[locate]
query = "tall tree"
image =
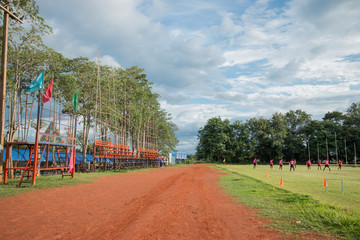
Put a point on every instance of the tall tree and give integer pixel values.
(295, 141)
(260, 137)
(213, 139)
(26, 53)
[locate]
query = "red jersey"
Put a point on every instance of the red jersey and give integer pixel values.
(340, 162)
(292, 162)
(271, 162)
(326, 162)
(308, 163)
(255, 161)
(281, 162)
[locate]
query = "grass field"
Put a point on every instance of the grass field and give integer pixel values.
(311, 182)
(301, 203)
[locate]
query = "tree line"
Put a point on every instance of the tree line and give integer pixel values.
(290, 135)
(122, 99)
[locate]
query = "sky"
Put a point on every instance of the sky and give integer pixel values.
(236, 59)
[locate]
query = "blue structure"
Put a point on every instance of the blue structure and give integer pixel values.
(178, 157)
(23, 155)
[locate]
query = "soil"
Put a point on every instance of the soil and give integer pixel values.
(163, 203)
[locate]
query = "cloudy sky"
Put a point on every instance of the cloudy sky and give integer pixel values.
(231, 58)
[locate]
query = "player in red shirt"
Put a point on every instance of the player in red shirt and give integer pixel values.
(340, 165)
(295, 163)
(292, 165)
(271, 163)
(319, 165)
(281, 164)
(326, 163)
(308, 163)
(255, 162)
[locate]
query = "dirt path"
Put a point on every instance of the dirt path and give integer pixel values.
(165, 203)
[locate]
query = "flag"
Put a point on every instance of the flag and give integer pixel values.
(71, 162)
(36, 84)
(48, 93)
(75, 101)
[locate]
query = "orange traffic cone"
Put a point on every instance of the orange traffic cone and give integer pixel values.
(267, 175)
(325, 183)
(281, 181)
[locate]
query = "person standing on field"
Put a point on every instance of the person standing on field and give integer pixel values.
(319, 165)
(292, 165)
(271, 163)
(308, 163)
(326, 163)
(280, 164)
(340, 165)
(255, 162)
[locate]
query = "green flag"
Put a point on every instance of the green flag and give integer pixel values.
(36, 84)
(75, 101)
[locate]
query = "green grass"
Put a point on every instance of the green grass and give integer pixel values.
(43, 182)
(311, 182)
(302, 198)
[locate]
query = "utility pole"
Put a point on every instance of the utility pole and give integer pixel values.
(355, 154)
(346, 160)
(318, 151)
(327, 151)
(7, 13)
(336, 149)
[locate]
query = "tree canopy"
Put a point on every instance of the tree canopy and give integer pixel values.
(290, 135)
(129, 108)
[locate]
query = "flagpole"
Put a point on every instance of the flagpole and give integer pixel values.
(74, 148)
(37, 141)
(74, 151)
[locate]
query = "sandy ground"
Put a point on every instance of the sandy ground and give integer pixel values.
(163, 203)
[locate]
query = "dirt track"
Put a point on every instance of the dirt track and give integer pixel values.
(166, 203)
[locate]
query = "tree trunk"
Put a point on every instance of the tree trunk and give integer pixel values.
(84, 148)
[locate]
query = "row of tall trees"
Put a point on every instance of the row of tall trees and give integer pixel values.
(291, 135)
(120, 100)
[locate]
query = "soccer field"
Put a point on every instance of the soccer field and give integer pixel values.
(310, 182)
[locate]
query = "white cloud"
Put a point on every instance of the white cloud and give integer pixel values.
(109, 60)
(234, 59)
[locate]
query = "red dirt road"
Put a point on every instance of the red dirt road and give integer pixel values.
(164, 203)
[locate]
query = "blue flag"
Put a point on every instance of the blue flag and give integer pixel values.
(36, 84)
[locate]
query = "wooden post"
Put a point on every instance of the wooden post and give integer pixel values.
(7, 13)
(3, 85)
(96, 109)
